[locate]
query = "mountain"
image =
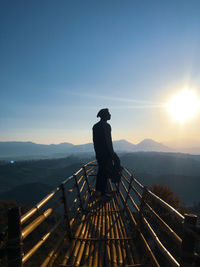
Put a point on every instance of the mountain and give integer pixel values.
(29, 150)
(151, 145)
(123, 146)
(17, 149)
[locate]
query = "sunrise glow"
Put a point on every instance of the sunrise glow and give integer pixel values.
(184, 106)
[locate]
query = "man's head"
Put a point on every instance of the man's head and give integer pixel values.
(104, 114)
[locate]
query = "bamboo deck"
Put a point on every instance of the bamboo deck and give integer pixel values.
(102, 238)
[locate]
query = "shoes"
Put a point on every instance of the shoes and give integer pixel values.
(97, 194)
(107, 194)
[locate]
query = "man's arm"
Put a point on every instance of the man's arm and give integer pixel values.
(108, 139)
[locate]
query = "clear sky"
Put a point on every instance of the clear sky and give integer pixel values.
(63, 60)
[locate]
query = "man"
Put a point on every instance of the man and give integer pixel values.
(104, 150)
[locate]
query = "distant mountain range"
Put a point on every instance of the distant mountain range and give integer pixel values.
(30, 150)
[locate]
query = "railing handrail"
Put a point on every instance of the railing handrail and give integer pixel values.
(166, 205)
(38, 206)
(81, 184)
(144, 201)
(157, 198)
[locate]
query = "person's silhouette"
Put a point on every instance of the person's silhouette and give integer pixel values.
(104, 150)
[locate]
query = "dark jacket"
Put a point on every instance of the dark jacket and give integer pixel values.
(102, 140)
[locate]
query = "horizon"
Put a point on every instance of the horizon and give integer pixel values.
(167, 144)
(63, 61)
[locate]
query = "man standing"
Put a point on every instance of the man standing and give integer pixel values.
(104, 150)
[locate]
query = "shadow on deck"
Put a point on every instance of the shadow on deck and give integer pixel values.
(102, 238)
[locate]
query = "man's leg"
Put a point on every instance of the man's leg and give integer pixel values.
(101, 181)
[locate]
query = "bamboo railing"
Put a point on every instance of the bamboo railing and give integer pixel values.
(130, 229)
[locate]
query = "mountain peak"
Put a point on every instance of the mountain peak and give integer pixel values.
(151, 145)
(148, 141)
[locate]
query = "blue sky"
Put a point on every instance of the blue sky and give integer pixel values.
(61, 61)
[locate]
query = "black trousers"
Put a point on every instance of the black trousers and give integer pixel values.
(105, 166)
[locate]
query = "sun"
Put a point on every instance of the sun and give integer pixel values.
(184, 106)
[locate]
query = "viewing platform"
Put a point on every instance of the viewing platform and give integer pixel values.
(74, 227)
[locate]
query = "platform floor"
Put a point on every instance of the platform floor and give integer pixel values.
(102, 238)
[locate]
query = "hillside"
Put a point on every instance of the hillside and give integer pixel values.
(179, 171)
(51, 172)
(27, 194)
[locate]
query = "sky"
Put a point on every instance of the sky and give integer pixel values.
(61, 61)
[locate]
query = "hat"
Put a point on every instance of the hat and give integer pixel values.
(103, 112)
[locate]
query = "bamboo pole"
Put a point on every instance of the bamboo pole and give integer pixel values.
(66, 212)
(165, 227)
(133, 187)
(162, 223)
(70, 250)
(140, 235)
(164, 204)
(135, 180)
(104, 234)
(91, 163)
(78, 191)
(113, 243)
(129, 188)
(101, 251)
(129, 197)
(96, 235)
(124, 235)
(118, 243)
(14, 245)
(40, 243)
(108, 236)
(189, 240)
(88, 242)
(78, 253)
(85, 244)
(92, 242)
(38, 206)
(172, 261)
(86, 177)
(34, 224)
(122, 242)
(53, 253)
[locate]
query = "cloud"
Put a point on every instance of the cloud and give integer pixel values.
(139, 104)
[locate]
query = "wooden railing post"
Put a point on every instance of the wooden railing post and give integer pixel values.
(188, 240)
(86, 178)
(14, 245)
(66, 211)
(129, 188)
(78, 192)
(142, 204)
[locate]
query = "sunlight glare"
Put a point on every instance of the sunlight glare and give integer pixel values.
(184, 106)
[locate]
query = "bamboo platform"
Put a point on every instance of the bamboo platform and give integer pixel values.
(127, 229)
(102, 238)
